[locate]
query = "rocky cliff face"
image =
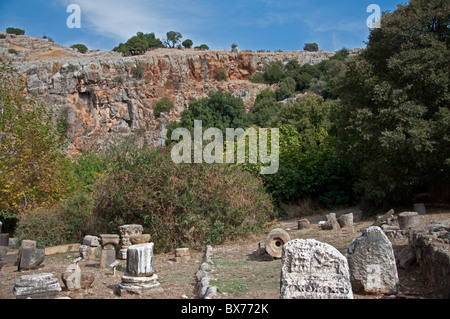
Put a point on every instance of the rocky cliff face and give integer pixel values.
(102, 95)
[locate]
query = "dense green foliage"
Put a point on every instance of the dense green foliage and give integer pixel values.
(165, 104)
(395, 105)
(311, 47)
(15, 31)
(323, 78)
(139, 44)
(80, 47)
(31, 164)
(202, 47)
(187, 43)
(222, 75)
(220, 110)
(179, 205)
(173, 37)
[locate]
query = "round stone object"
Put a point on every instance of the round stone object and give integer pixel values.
(275, 241)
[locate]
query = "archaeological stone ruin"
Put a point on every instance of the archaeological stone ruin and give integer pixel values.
(313, 270)
(372, 263)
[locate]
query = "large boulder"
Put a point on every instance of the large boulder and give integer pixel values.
(31, 258)
(372, 263)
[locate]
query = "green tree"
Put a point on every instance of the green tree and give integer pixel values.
(395, 115)
(312, 47)
(139, 44)
(31, 161)
(80, 47)
(173, 38)
(15, 31)
(274, 72)
(187, 43)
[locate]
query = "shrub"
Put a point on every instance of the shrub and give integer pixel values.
(181, 205)
(257, 78)
(137, 71)
(80, 47)
(2, 36)
(312, 47)
(222, 75)
(12, 51)
(15, 31)
(165, 104)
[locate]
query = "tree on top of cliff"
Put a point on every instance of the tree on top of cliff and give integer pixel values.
(187, 43)
(139, 44)
(173, 38)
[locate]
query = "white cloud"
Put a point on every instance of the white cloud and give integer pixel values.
(118, 19)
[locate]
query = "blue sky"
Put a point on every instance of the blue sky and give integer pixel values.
(252, 24)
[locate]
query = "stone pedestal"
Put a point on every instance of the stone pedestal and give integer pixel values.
(140, 277)
(108, 255)
(408, 220)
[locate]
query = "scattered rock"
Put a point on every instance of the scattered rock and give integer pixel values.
(420, 209)
(346, 220)
(384, 218)
(182, 254)
(304, 224)
(331, 223)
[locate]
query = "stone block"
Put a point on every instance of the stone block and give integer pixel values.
(109, 241)
(313, 270)
(304, 224)
(40, 286)
(346, 220)
(372, 263)
(90, 253)
(407, 220)
(107, 257)
(182, 254)
(31, 258)
(420, 208)
(91, 241)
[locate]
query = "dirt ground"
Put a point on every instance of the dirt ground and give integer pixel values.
(239, 272)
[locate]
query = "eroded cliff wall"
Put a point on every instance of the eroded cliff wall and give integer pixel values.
(99, 97)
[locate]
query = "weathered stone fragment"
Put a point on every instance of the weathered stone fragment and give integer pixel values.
(331, 223)
(91, 241)
(346, 220)
(107, 257)
(304, 224)
(420, 208)
(182, 254)
(313, 270)
(40, 286)
(31, 258)
(372, 263)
